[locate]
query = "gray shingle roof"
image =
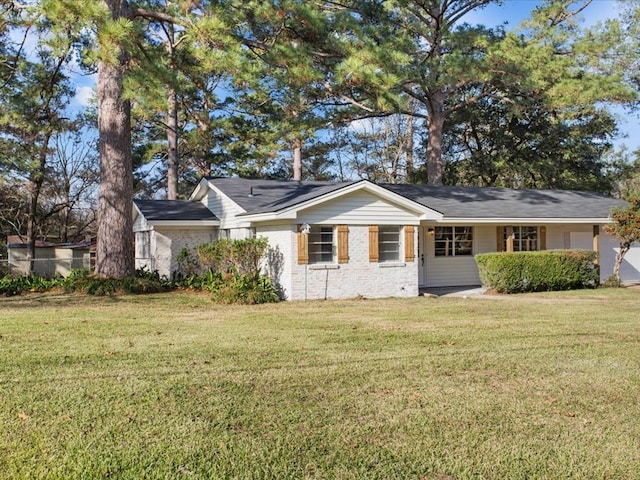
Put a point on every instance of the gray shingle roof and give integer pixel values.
(265, 196)
(476, 202)
(163, 210)
(262, 196)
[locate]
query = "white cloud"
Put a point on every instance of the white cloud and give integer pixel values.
(84, 95)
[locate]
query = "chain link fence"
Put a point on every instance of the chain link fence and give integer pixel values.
(48, 267)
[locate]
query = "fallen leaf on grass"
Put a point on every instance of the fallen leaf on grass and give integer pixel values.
(23, 416)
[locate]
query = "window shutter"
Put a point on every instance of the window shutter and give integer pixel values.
(510, 239)
(543, 238)
(409, 247)
(343, 244)
(373, 243)
(499, 239)
(303, 247)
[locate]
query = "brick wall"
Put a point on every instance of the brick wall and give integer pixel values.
(358, 277)
(169, 242)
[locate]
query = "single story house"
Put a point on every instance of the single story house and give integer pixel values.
(342, 240)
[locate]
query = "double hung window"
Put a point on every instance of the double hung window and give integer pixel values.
(321, 244)
(388, 243)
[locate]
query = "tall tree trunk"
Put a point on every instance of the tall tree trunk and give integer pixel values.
(408, 178)
(624, 248)
(297, 159)
(35, 187)
(435, 126)
(172, 143)
(34, 192)
(172, 123)
(114, 254)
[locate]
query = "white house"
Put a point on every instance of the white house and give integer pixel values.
(342, 240)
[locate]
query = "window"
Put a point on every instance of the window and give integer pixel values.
(525, 239)
(453, 241)
(143, 245)
(388, 244)
(320, 244)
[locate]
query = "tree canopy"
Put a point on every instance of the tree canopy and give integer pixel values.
(282, 88)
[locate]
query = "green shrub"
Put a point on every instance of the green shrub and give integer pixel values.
(236, 256)
(613, 281)
(143, 281)
(245, 289)
(548, 270)
(188, 265)
(10, 286)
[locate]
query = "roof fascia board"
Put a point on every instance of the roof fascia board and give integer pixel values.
(505, 220)
(201, 190)
(183, 223)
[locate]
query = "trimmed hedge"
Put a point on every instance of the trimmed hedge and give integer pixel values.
(517, 272)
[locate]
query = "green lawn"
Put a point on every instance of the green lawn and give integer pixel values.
(173, 386)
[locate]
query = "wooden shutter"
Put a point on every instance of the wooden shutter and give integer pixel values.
(543, 238)
(499, 239)
(509, 239)
(303, 247)
(373, 243)
(343, 244)
(409, 246)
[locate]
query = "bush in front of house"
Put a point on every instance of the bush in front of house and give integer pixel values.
(231, 271)
(82, 281)
(548, 270)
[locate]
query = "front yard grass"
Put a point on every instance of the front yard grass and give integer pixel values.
(173, 386)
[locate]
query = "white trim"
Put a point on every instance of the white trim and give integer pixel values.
(523, 221)
(201, 190)
(183, 223)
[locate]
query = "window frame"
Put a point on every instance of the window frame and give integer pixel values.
(389, 249)
(315, 256)
(516, 231)
(460, 243)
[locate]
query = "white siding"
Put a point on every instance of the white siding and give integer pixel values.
(223, 207)
(140, 224)
(459, 271)
(358, 208)
(630, 268)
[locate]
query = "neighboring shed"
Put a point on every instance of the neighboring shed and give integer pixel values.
(50, 258)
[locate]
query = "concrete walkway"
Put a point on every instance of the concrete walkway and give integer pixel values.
(465, 291)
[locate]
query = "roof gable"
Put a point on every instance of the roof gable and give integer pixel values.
(284, 199)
